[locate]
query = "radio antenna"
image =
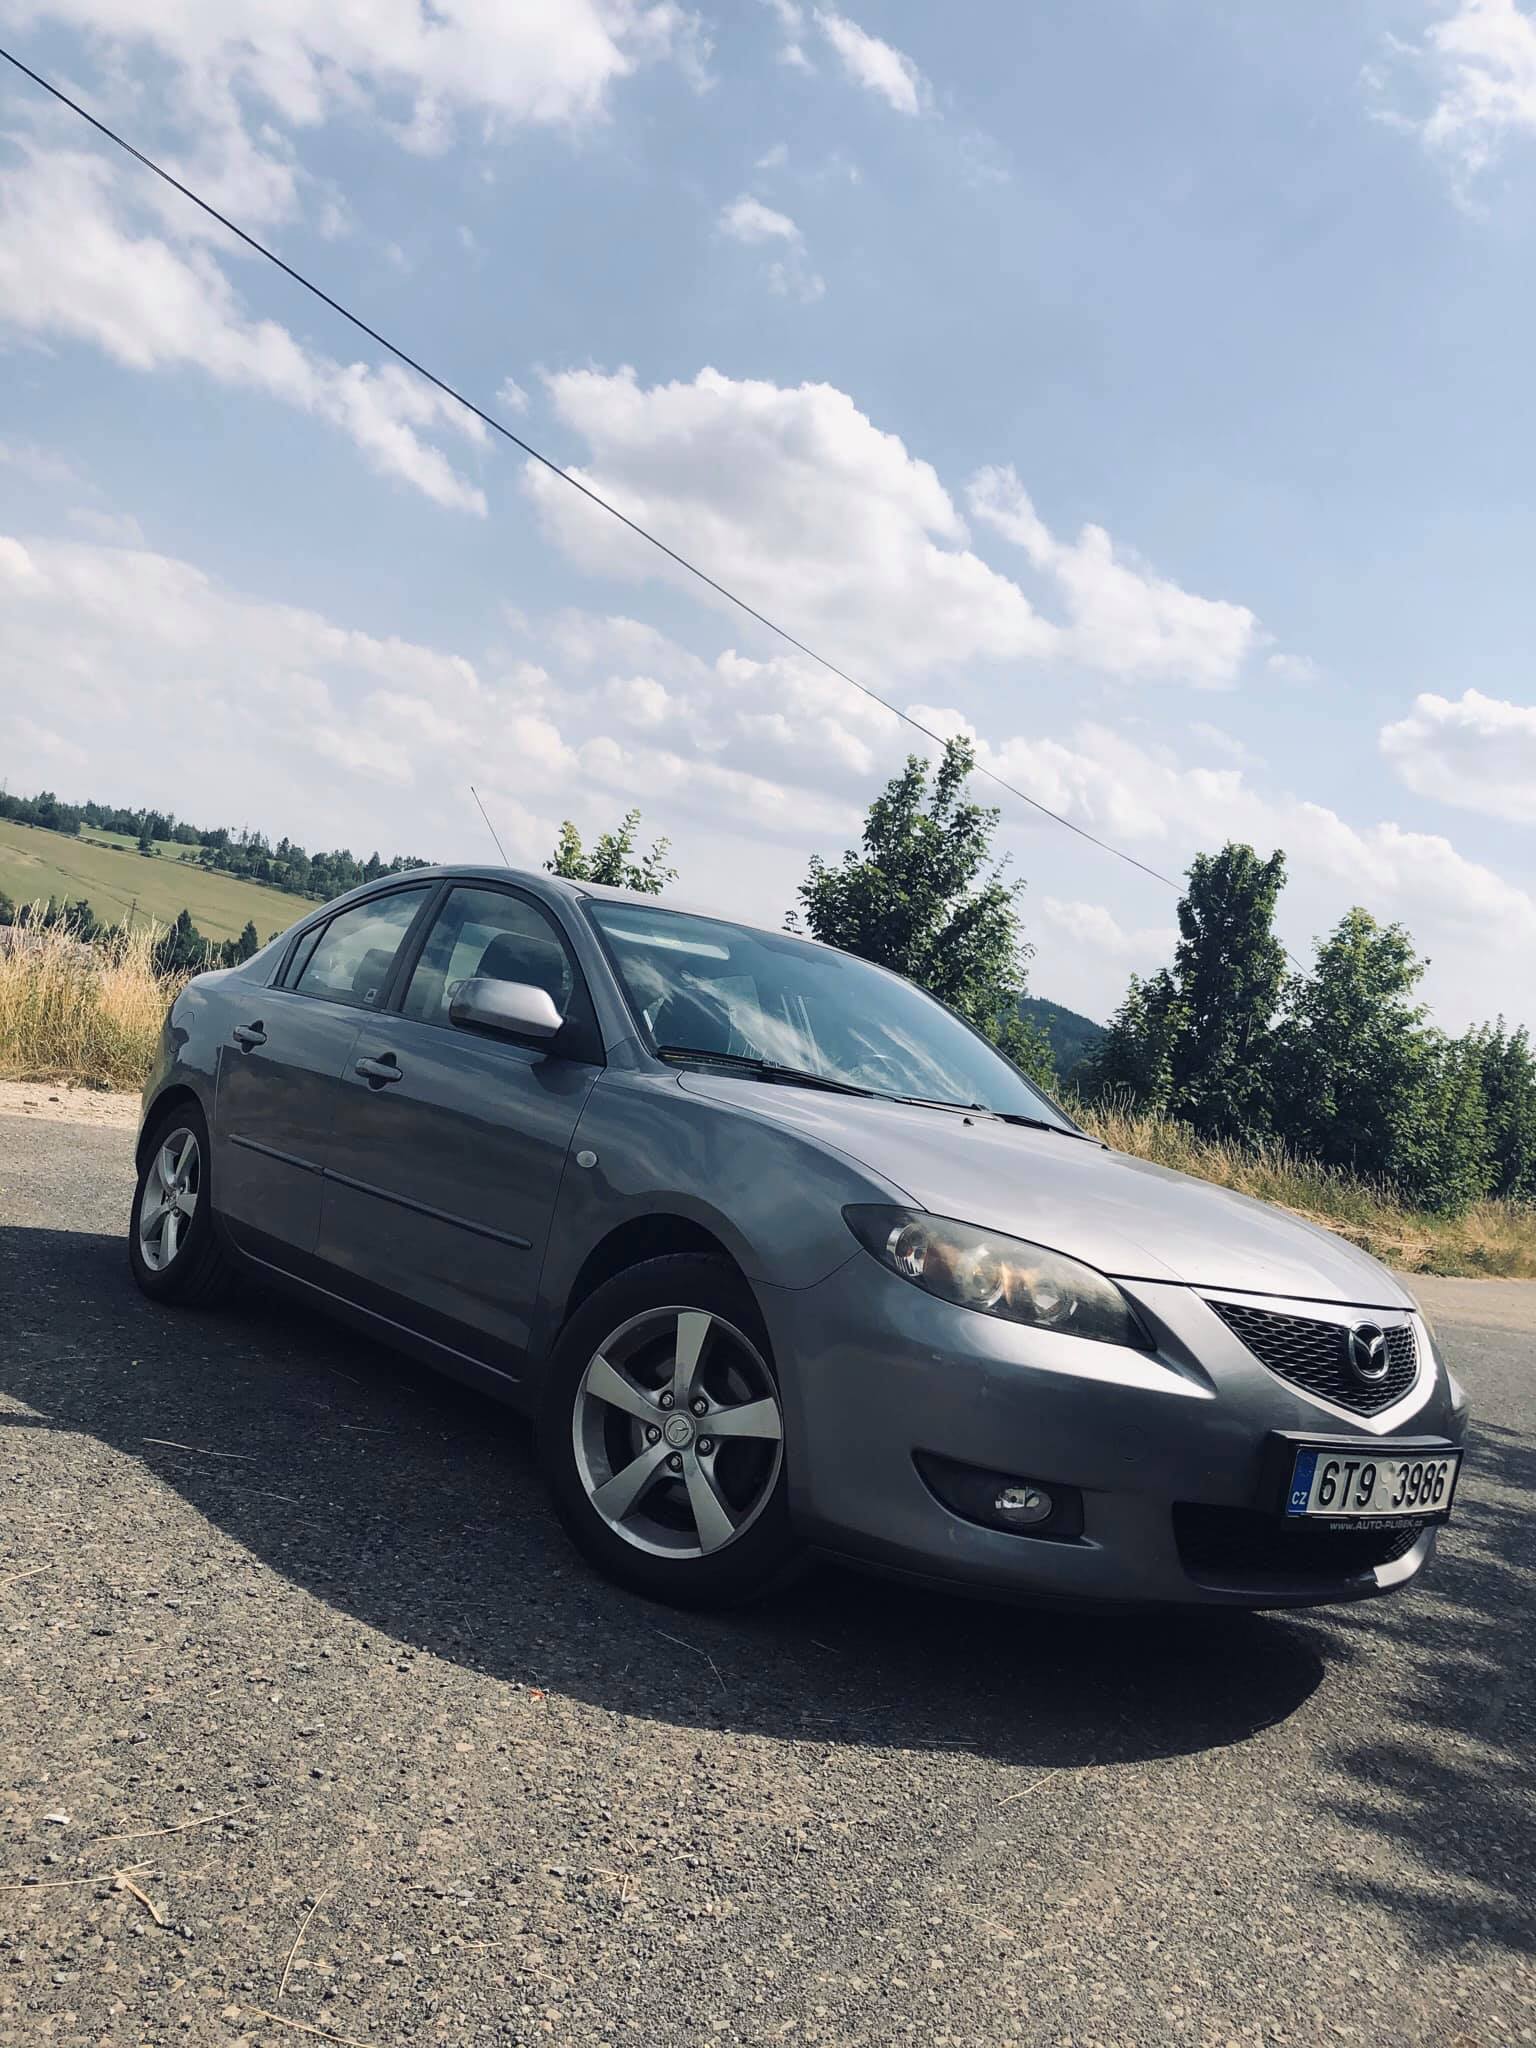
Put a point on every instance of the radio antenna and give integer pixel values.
(489, 826)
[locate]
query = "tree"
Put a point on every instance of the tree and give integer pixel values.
(146, 837)
(1508, 1073)
(1228, 969)
(1362, 1084)
(611, 858)
(1196, 1040)
(1449, 1163)
(1133, 1061)
(182, 949)
(925, 896)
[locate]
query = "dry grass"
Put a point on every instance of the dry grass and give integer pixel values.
(83, 1013)
(71, 1012)
(1490, 1238)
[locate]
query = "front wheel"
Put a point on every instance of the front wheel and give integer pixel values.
(662, 1436)
(173, 1243)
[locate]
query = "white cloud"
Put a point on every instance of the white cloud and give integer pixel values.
(640, 700)
(1293, 668)
(109, 526)
(1094, 926)
(549, 62)
(795, 500)
(75, 265)
(586, 640)
(773, 159)
(282, 718)
(1219, 741)
(511, 395)
(876, 66)
(748, 221)
(38, 465)
(792, 278)
(1146, 799)
(1481, 60)
(1475, 751)
(791, 20)
(1121, 616)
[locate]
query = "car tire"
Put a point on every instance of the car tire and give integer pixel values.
(671, 1544)
(184, 1259)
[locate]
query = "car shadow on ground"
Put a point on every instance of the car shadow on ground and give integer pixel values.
(1462, 1809)
(414, 1506)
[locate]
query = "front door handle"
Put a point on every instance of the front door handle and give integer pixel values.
(247, 1035)
(379, 1070)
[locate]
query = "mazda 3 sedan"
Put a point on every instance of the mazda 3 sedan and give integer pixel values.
(784, 1258)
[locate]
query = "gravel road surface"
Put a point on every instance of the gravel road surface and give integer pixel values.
(288, 1638)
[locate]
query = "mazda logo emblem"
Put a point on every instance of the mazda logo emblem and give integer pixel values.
(1366, 1348)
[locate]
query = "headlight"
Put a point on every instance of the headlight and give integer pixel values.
(997, 1275)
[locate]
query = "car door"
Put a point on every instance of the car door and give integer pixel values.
(448, 1145)
(280, 1070)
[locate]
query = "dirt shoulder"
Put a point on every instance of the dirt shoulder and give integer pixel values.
(64, 1103)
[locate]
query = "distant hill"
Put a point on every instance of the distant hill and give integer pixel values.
(109, 873)
(1072, 1036)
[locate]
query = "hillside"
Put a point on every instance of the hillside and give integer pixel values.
(1072, 1036)
(113, 877)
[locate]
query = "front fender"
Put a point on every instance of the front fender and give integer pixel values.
(772, 1195)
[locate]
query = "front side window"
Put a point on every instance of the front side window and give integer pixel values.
(487, 932)
(349, 959)
(704, 986)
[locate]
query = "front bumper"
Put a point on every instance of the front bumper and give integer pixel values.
(874, 1372)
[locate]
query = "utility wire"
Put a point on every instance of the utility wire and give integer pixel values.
(565, 477)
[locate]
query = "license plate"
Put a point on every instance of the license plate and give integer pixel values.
(1331, 1485)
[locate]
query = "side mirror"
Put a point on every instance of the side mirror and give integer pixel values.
(515, 1009)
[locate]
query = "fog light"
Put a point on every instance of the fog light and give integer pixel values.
(1003, 1500)
(1022, 1505)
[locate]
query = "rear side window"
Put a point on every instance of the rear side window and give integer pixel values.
(349, 959)
(487, 931)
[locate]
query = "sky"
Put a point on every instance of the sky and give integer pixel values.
(1140, 386)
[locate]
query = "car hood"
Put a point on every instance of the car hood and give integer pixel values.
(1125, 1216)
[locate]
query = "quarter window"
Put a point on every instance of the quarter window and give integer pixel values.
(487, 932)
(349, 960)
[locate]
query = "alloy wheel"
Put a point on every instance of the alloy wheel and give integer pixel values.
(172, 1186)
(677, 1432)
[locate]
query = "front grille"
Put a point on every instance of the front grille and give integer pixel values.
(1235, 1546)
(1315, 1356)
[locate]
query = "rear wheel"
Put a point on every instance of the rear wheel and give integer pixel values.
(173, 1242)
(662, 1435)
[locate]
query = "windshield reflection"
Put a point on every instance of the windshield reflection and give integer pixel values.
(714, 987)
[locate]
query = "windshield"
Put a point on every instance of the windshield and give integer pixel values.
(712, 987)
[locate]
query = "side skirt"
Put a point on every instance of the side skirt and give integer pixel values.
(444, 1358)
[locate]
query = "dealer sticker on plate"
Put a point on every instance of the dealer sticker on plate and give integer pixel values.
(1385, 1485)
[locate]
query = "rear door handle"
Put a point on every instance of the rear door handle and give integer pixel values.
(379, 1070)
(247, 1035)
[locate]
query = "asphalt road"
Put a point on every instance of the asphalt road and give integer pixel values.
(288, 1635)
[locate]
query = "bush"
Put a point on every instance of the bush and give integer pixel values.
(81, 1012)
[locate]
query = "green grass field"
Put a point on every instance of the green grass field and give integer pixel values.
(115, 879)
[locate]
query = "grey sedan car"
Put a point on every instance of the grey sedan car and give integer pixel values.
(784, 1258)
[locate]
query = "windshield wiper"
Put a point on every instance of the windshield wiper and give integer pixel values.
(765, 1070)
(1038, 1123)
(1003, 1116)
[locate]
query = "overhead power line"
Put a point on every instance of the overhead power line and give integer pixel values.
(575, 483)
